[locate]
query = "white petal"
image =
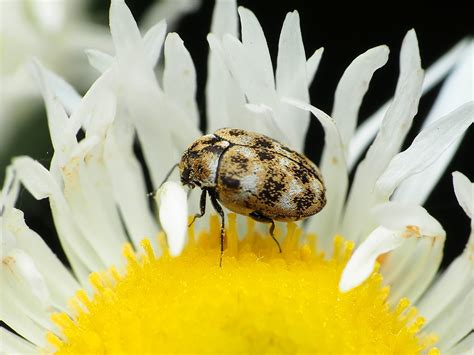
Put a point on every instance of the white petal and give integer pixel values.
(335, 177)
(61, 129)
(464, 190)
(243, 63)
(141, 95)
(455, 92)
(24, 271)
(455, 322)
(368, 129)
(256, 47)
(349, 94)
(98, 106)
(11, 343)
(172, 11)
(99, 60)
(410, 268)
(10, 190)
(90, 196)
(312, 64)
(397, 121)
(425, 149)
(124, 29)
(291, 80)
(464, 347)
(35, 177)
(224, 18)
(224, 99)
(22, 287)
(222, 93)
(173, 209)
(67, 95)
(15, 317)
(179, 76)
(41, 184)
(227, 106)
(128, 182)
(252, 83)
(86, 181)
(457, 88)
(61, 284)
(362, 262)
(458, 279)
(153, 41)
(352, 88)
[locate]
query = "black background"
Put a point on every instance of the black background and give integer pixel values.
(345, 32)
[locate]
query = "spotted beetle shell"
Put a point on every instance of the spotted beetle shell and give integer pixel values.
(251, 172)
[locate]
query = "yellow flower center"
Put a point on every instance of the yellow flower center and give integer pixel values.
(260, 301)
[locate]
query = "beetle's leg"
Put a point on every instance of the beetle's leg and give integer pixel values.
(261, 218)
(202, 207)
(219, 210)
(272, 229)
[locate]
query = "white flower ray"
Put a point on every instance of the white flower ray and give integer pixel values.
(435, 73)
(179, 76)
(425, 149)
(173, 211)
(357, 221)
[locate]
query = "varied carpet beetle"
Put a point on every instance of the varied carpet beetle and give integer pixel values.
(253, 175)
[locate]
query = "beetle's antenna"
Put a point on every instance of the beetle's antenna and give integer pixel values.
(165, 179)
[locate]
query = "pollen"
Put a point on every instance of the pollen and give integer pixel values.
(259, 301)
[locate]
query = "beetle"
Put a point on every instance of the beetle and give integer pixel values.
(253, 175)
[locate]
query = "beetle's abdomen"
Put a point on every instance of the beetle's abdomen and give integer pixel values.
(256, 179)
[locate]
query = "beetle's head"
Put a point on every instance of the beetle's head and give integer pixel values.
(199, 162)
(186, 170)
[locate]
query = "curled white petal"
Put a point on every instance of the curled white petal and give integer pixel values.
(397, 222)
(173, 213)
(397, 216)
(362, 262)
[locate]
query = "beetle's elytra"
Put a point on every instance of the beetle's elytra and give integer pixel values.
(253, 175)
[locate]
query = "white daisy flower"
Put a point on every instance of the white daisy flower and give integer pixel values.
(129, 287)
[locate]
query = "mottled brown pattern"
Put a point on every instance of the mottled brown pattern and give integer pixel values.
(253, 173)
(252, 139)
